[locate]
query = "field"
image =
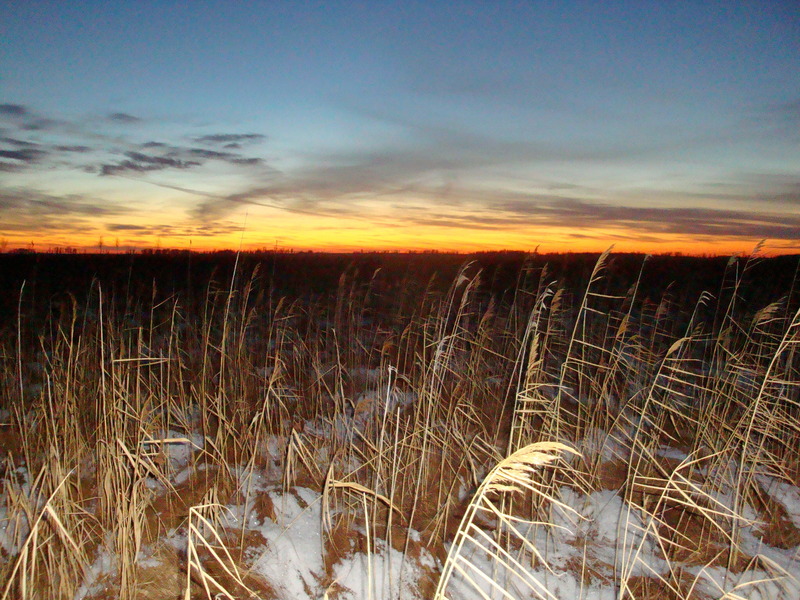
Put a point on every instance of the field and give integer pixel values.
(384, 426)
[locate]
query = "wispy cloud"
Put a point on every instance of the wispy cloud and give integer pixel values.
(143, 163)
(77, 148)
(17, 143)
(26, 155)
(687, 221)
(25, 119)
(21, 201)
(492, 210)
(26, 211)
(162, 155)
(89, 137)
(13, 110)
(17, 155)
(427, 175)
(180, 230)
(230, 140)
(230, 157)
(125, 118)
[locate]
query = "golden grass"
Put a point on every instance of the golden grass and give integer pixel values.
(393, 402)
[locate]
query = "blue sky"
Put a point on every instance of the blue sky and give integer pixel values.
(660, 126)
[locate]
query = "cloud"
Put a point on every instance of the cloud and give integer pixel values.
(247, 162)
(275, 196)
(72, 139)
(30, 211)
(428, 167)
(13, 110)
(30, 153)
(491, 209)
(774, 122)
(230, 157)
(41, 124)
(230, 138)
(77, 148)
(21, 200)
(576, 213)
(121, 117)
(174, 157)
(182, 230)
(16, 142)
(25, 119)
(127, 227)
(427, 175)
(773, 190)
(203, 153)
(141, 163)
(25, 155)
(437, 176)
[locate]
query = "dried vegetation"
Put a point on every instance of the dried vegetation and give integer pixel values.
(425, 419)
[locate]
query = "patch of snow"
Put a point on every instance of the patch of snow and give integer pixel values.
(292, 562)
(11, 530)
(105, 565)
(615, 540)
(15, 529)
(179, 453)
(177, 538)
(146, 557)
(671, 453)
(251, 481)
(182, 476)
(383, 575)
(752, 584)
(785, 494)
(233, 517)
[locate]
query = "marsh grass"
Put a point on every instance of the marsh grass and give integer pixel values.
(426, 416)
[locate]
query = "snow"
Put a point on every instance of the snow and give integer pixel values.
(383, 575)
(293, 559)
(600, 530)
(146, 557)
(105, 564)
(754, 584)
(178, 447)
(10, 532)
(786, 494)
(14, 530)
(601, 534)
(586, 548)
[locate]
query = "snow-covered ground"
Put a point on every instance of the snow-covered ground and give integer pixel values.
(592, 542)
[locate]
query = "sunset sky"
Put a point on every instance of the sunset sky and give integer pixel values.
(654, 126)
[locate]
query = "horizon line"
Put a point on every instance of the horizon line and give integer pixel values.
(156, 251)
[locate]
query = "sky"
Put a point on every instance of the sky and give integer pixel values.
(562, 126)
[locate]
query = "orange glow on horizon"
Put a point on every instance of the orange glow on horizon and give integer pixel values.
(399, 240)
